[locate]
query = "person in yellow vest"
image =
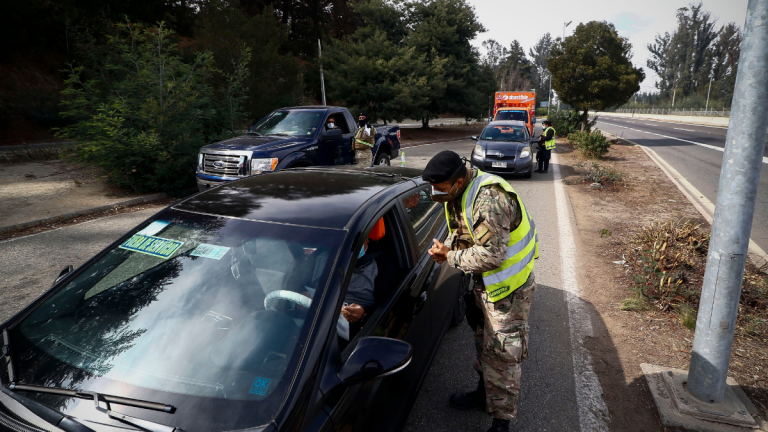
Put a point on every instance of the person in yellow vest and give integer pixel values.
(365, 138)
(493, 237)
(546, 145)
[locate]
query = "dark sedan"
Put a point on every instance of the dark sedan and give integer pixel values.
(504, 148)
(222, 313)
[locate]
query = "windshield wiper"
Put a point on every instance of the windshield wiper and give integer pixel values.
(99, 397)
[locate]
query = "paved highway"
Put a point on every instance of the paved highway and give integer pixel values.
(696, 152)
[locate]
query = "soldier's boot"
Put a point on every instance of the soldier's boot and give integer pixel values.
(499, 425)
(471, 401)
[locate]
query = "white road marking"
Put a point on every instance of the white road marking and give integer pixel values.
(671, 123)
(687, 130)
(593, 413)
(720, 149)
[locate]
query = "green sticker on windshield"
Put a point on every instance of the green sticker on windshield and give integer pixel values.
(210, 251)
(155, 246)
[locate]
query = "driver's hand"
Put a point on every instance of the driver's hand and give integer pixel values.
(439, 251)
(353, 313)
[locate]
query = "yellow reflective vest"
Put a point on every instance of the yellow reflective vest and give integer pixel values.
(549, 145)
(523, 245)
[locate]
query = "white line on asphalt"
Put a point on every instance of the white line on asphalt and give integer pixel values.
(720, 149)
(593, 413)
(687, 130)
(670, 122)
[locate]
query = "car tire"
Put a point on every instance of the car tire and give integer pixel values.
(382, 159)
(460, 306)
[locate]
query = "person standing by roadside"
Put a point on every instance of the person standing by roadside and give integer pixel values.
(546, 145)
(493, 238)
(364, 139)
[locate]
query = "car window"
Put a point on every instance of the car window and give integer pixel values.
(299, 123)
(504, 133)
(340, 121)
(199, 306)
(424, 215)
(512, 115)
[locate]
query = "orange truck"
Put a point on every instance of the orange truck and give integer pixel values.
(520, 106)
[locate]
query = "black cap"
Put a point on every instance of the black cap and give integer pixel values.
(442, 167)
(364, 115)
(546, 122)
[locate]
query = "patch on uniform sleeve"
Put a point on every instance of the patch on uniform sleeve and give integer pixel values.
(483, 233)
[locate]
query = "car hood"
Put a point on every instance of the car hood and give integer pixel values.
(258, 143)
(505, 146)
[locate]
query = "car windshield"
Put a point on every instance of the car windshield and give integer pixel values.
(299, 122)
(193, 306)
(504, 133)
(512, 115)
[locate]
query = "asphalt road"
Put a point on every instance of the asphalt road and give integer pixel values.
(700, 165)
(547, 403)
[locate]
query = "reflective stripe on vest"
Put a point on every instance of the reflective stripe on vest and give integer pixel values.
(549, 145)
(523, 245)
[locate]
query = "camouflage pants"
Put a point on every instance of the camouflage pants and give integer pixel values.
(501, 346)
(364, 158)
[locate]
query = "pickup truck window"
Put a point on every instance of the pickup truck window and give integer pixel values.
(340, 121)
(300, 123)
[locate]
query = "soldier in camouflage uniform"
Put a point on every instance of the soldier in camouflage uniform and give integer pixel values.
(364, 140)
(501, 332)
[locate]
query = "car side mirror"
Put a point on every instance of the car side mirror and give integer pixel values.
(375, 357)
(474, 137)
(63, 273)
(534, 141)
(331, 134)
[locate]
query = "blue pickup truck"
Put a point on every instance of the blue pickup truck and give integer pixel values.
(289, 138)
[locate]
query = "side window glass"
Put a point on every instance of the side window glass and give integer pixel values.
(424, 214)
(340, 121)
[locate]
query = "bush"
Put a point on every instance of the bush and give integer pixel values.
(602, 174)
(566, 122)
(593, 144)
(141, 110)
(542, 112)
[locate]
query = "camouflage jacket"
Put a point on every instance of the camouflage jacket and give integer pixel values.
(362, 135)
(496, 214)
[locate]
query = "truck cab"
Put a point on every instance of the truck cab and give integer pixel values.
(290, 138)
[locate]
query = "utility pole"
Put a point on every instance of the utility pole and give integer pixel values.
(564, 26)
(710, 89)
(549, 95)
(322, 79)
(732, 225)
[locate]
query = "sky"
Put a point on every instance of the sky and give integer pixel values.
(637, 20)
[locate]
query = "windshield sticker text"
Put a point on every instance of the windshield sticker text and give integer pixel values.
(210, 251)
(260, 386)
(155, 246)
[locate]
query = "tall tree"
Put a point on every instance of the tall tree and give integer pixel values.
(539, 55)
(592, 69)
(444, 28)
(725, 62)
(517, 71)
(273, 79)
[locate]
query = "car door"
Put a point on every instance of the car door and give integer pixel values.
(404, 315)
(336, 151)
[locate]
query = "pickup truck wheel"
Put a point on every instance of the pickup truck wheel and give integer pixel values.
(382, 159)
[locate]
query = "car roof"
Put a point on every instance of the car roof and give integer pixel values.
(324, 197)
(507, 123)
(311, 107)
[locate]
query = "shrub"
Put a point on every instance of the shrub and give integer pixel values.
(566, 122)
(602, 174)
(593, 144)
(635, 304)
(542, 112)
(142, 111)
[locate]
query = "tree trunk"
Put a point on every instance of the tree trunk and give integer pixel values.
(425, 122)
(584, 119)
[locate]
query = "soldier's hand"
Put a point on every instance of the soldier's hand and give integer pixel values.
(353, 312)
(438, 251)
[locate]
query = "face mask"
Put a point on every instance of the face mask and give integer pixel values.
(443, 197)
(361, 123)
(362, 252)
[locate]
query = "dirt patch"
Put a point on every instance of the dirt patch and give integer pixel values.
(42, 189)
(608, 219)
(433, 133)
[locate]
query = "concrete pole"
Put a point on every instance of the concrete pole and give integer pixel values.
(706, 107)
(549, 95)
(322, 79)
(739, 177)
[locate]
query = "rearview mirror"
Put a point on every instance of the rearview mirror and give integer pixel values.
(63, 273)
(375, 357)
(331, 134)
(474, 137)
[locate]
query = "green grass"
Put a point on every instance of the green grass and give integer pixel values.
(687, 316)
(635, 304)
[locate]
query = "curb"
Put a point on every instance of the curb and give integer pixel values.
(704, 206)
(66, 216)
(416, 144)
